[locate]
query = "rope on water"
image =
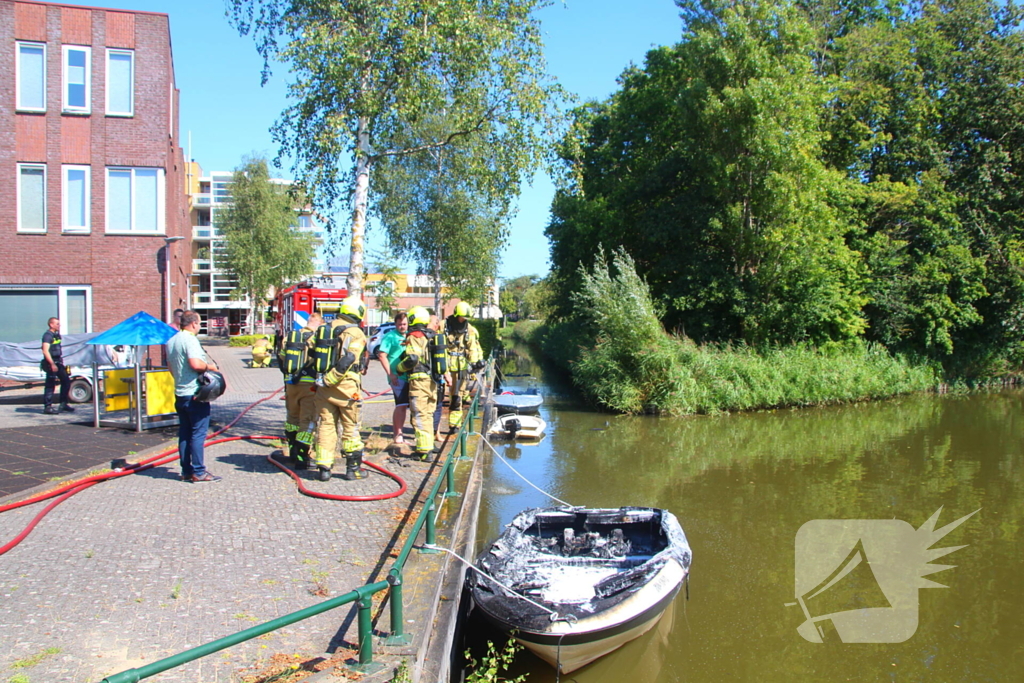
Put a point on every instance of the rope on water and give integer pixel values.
(484, 439)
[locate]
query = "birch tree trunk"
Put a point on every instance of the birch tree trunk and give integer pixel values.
(437, 286)
(359, 202)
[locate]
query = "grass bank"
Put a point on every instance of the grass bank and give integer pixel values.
(622, 359)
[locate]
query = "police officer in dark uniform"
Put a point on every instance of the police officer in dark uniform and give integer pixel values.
(53, 366)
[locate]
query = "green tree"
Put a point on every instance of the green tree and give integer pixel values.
(447, 209)
(927, 118)
(365, 72)
(383, 289)
(706, 166)
(540, 299)
(514, 300)
(263, 246)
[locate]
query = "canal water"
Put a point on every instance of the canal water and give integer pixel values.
(742, 487)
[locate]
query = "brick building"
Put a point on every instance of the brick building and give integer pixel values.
(92, 187)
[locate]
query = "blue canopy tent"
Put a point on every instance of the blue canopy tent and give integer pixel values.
(141, 329)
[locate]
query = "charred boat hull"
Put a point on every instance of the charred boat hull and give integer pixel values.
(573, 584)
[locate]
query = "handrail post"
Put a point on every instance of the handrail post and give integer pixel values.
(398, 635)
(365, 631)
(366, 664)
(449, 474)
(430, 532)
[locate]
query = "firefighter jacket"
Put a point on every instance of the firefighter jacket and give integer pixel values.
(463, 345)
(416, 359)
(349, 353)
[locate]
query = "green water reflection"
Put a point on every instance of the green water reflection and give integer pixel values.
(742, 486)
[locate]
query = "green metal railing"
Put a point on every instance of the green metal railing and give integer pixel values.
(362, 595)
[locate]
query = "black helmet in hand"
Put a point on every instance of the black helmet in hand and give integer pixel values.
(211, 385)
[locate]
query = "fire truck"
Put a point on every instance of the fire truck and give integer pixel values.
(294, 303)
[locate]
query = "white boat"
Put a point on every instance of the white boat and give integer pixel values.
(527, 401)
(517, 427)
(573, 584)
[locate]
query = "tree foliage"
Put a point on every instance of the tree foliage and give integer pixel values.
(447, 209)
(526, 296)
(815, 171)
(263, 246)
(365, 72)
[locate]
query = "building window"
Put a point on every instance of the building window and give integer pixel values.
(26, 309)
(77, 78)
(76, 198)
(120, 82)
(31, 198)
(31, 77)
(135, 200)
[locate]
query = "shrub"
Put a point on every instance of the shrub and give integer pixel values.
(247, 339)
(526, 331)
(632, 365)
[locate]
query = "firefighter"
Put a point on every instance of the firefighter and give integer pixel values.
(420, 362)
(339, 400)
(296, 364)
(465, 357)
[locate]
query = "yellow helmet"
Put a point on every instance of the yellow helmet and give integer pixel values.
(418, 315)
(463, 310)
(353, 307)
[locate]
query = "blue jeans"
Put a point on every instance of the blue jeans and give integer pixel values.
(193, 422)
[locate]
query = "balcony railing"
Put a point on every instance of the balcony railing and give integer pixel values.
(202, 265)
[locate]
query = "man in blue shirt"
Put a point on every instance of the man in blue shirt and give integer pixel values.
(388, 353)
(187, 359)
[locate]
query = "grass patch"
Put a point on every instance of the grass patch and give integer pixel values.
(35, 659)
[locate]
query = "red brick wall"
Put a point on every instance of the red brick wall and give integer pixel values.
(123, 270)
(120, 30)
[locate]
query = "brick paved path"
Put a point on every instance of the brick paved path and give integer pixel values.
(146, 566)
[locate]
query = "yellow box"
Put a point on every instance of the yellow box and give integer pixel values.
(159, 392)
(117, 391)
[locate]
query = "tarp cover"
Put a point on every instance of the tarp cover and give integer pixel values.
(141, 329)
(76, 349)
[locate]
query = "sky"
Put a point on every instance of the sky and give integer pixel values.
(226, 114)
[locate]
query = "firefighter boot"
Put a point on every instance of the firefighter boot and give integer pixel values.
(290, 437)
(301, 457)
(353, 466)
(324, 473)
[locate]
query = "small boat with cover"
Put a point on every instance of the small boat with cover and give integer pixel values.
(572, 584)
(512, 426)
(510, 401)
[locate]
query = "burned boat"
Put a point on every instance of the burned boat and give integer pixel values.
(514, 427)
(573, 584)
(526, 401)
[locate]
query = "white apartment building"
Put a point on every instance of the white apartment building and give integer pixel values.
(211, 287)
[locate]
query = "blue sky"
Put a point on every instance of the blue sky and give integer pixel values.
(227, 114)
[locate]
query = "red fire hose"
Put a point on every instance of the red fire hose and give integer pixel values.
(69, 489)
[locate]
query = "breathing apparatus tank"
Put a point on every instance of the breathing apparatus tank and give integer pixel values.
(438, 355)
(323, 349)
